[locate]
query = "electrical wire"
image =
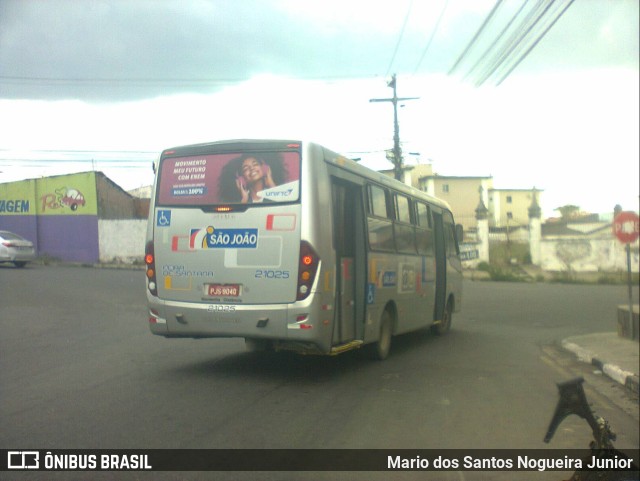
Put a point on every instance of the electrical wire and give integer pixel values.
(475, 37)
(404, 26)
(508, 53)
(497, 39)
(517, 38)
(57, 81)
(535, 43)
(433, 34)
(503, 55)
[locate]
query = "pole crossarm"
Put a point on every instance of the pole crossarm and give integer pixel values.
(394, 99)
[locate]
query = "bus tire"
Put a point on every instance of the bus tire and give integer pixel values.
(444, 326)
(380, 349)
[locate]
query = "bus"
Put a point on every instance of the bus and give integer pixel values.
(292, 246)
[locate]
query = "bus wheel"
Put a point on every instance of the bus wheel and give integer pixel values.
(381, 347)
(445, 324)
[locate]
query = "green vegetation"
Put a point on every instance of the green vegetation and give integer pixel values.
(508, 259)
(505, 254)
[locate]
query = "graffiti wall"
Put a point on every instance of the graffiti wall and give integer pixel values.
(58, 214)
(587, 255)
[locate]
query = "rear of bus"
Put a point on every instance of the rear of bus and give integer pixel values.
(225, 255)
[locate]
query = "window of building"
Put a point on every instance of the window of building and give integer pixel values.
(509, 199)
(509, 215)
(445, 188)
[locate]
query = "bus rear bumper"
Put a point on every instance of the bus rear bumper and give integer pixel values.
(289, 327)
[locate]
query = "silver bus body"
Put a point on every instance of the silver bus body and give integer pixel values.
(310, 264)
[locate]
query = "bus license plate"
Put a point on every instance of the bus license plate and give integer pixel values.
(223, 290)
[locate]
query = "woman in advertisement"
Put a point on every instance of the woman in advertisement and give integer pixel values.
(245, 177)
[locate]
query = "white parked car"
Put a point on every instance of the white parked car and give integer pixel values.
(16, 249)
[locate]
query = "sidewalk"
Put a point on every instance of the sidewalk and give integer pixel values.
(615, 356)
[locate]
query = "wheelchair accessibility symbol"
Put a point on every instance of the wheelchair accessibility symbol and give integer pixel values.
(163, 218)
(371, 293)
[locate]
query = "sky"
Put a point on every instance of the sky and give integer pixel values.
(533, 93)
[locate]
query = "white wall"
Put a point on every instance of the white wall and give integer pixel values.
(122, 241)
(586, 255)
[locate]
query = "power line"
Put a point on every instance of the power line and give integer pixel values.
(404, 26)
(515, 42)
(113, 80)
(497, 39)
(23, 161)
(145, 82)
(77, 151)
(533, 45)
(433, 34)
(477, 34)
(516, 39)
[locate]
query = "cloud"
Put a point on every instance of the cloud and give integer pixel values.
(119, 50)
(120, 75)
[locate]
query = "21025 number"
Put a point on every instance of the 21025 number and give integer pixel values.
(271, 274)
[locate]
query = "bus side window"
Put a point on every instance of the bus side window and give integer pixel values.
(403, 211)
(450, 235)
(423, 212)
(403, 229)
(378, 202)
(424, 232)
(379, 220)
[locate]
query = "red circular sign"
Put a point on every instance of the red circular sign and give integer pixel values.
(626, 227)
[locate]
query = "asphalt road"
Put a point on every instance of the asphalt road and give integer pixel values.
(80, 369)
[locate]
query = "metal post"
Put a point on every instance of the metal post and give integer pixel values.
(633, 334)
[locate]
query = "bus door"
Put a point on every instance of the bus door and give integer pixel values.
(441, 265)
(348, 239)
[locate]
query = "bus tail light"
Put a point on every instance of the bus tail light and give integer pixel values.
(307, 268)
(150, 262)
(302, 322)
(154, 317)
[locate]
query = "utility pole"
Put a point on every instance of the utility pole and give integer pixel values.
(397, 150)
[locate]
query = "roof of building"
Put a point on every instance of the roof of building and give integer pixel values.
(451, 177)
(110, 182)
(518, 190)
(574, 229)
(142, 192)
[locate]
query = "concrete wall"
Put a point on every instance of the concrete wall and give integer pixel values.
(581, 254)
(122, 241)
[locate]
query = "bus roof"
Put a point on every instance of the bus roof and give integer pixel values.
(366, 172)
(331, 156)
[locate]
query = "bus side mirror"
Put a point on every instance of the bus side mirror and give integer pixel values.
(459, 232)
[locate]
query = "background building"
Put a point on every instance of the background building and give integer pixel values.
(461, 193)
(510, 207)
(61, 214)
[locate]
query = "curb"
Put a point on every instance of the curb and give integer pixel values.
(625, 378)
